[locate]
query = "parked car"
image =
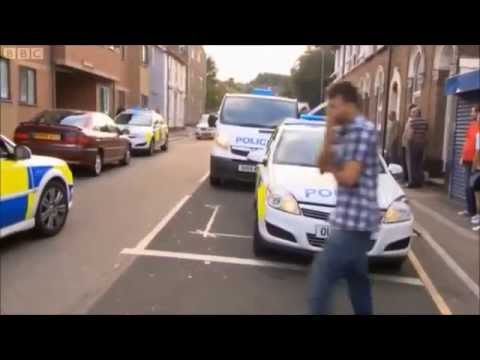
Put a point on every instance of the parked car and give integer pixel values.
(35, 191)
(204, 128)
(84, 138)
(148, 130)
(294, 200)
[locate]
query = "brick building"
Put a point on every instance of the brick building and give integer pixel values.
(390, 78)
(196, 84)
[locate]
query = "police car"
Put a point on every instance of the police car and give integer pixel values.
(245, 123)
(147, 130)
(35, 191)
(294, 201)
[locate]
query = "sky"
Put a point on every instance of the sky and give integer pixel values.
(244, 62)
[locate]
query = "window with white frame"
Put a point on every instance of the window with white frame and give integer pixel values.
(28, 86)
(4, 79)
(104, 99)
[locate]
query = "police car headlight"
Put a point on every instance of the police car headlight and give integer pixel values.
(399, 211)
(222, 141)
(282, 200)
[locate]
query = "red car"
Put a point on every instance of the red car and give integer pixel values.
(84, 138)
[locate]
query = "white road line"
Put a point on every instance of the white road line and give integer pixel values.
(211, 220)
(457, 270)
(151, 235)
(444, 220)
(253, 262)
(432, 290)
(215, 235)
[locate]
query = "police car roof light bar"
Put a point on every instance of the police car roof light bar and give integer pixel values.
(263, 91)
(312, 117)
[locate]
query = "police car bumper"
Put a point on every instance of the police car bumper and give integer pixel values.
(298, 234)
(139, 143)
(231, 169)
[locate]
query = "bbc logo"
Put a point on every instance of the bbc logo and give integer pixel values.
(18, 53)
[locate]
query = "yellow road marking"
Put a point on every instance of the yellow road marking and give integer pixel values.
(432, 290)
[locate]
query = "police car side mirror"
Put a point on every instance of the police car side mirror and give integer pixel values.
(212, 121)
(396, 170)
(22, 152)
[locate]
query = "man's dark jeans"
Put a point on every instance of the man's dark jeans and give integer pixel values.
(345, 256)
(469, 193)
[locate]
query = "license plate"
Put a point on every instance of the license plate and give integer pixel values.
(322, 231)
(46, 136)
(247, 168)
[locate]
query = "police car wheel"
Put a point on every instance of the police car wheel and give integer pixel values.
(52, 209)
(164, 147)
(259, 246)
(151, 149)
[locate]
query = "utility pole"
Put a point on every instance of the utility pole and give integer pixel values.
(321, 75)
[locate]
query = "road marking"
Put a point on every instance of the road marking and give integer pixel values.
(432, 290)
(443, 220)
(151, 235)
(215, 235)
(211, 220)
(462, 275)
(253, 262)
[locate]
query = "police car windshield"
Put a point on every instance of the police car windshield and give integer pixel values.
(299, 147)
(134, 119)
(256, 112)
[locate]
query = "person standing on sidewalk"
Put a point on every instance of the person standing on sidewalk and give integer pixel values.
(350, 154)
(415, 136)
(392, 132)
(475, 178)
(467, 159)
(404, 144)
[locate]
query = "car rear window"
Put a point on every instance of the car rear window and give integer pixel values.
(71, 118)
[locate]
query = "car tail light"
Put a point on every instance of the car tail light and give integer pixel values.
(21, 136)
(75, 138)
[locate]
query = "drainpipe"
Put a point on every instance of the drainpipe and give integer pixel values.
(53, 69)
(343, 61)
(386, 102)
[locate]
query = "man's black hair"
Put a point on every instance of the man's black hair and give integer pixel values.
(346, 90)
(411, 106)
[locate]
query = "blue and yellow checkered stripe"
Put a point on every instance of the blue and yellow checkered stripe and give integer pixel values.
(17, 191)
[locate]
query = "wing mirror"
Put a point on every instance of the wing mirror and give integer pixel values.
(22, 152)
(258, 156)
(396, 170)
(212, 121)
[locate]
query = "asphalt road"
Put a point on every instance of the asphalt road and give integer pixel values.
(64, 274)
(156, 238)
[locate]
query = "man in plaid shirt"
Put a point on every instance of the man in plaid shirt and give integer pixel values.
(350, 154)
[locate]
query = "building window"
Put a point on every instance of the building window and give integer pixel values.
(28, 86)
(144, 100)
(145, 54)
(104, 99)
(4, 79)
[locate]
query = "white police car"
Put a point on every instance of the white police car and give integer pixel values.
(147, 130)
(294, 201)
(245, 123)
(35, 191)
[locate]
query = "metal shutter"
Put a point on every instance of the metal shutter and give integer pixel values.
(465, 102)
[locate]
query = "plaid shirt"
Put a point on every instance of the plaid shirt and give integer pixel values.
(357, 207)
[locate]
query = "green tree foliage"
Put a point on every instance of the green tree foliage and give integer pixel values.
(306, 75)
(279, 83)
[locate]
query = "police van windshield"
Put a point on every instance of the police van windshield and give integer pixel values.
(134, 119)
(256, 112)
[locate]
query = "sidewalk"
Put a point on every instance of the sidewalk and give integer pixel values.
(447, 247)
(177, 133)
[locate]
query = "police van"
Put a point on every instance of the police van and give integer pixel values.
(245, 124)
